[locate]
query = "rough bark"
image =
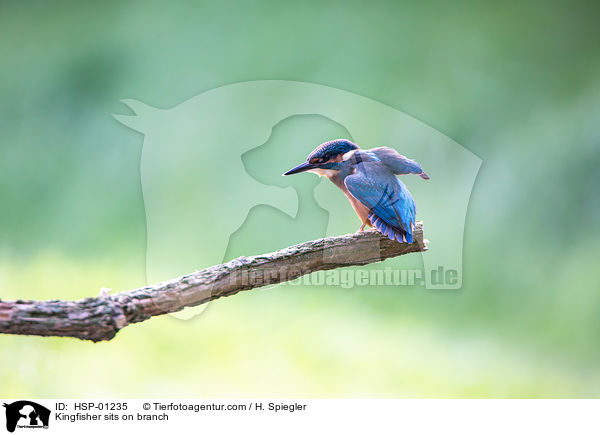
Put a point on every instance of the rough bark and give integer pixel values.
(100, 318)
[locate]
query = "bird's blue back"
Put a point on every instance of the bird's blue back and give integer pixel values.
(392, 208)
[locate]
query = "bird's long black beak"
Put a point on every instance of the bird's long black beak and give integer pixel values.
(301, 168)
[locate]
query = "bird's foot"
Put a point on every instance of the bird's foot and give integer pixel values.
(362, 228)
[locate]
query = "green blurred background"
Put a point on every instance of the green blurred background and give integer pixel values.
(517, 83)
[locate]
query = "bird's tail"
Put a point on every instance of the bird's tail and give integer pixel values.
(392, 233)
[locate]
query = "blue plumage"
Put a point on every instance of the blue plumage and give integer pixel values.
(369, 180)
(391, 207)
(397, 163)
(328, 150)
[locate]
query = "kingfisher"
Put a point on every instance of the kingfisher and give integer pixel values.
(368, 179)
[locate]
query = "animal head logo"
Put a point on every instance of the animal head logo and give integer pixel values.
(25, 413)
(212, 164)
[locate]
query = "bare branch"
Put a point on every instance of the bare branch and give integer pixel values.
(100, 318)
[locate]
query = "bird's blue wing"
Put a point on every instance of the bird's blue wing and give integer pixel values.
(391, 206)
(397, 163)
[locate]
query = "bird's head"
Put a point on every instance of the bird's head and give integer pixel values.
(327, 158)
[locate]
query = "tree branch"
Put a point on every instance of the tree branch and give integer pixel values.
(100, 318)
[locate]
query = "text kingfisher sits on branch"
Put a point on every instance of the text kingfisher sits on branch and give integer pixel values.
(368, 179)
